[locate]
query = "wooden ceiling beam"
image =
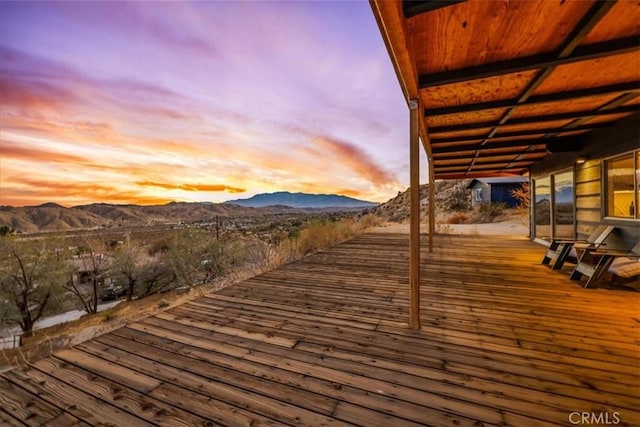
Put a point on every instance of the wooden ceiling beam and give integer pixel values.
(482, 160)
(411, 8)
(456, 156)
(531, 132)
(487, 166)
(631, 87)
(520, 156)
(537, 119)
(609, 106)
(595, 13)
(482, 174)
(495, 144)
(582, 53)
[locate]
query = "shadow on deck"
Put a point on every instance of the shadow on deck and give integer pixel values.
(324, 341)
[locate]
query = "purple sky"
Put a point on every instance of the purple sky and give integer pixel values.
(148, 102)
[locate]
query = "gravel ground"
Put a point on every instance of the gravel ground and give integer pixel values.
(511, 227)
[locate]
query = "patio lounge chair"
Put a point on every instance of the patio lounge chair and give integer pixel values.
(560, 250)
(594, 263)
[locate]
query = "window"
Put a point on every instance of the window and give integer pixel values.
(478, 194)
(563, 204)
(554, 209)
(622, 186)
(542, 208)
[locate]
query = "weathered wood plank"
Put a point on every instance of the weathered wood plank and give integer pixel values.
(325, 341)
(7, 420)
(124, 397)
(246, 394)
(19, 407)
(73, 401)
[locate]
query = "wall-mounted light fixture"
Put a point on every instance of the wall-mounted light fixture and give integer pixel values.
(581, 159)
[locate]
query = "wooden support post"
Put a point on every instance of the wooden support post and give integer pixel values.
(414, 182)
(432, 202)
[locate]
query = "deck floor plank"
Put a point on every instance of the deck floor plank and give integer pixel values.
(325, 341)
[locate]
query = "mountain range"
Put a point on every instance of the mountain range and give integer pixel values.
(301, 200)
(51, 216)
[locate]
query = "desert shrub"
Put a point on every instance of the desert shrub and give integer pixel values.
(260, 255)
(317, 235)
(458, 218)
(459, 198)
(444, 229)
(523, 196)
(160, 246)
(156, 275)
(108, 315)
(370, 221)
(163, 304)
(488, 211)
(6, 230)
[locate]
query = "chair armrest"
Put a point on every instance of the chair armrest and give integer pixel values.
(569, 241)
(614, 252)
(588, 245)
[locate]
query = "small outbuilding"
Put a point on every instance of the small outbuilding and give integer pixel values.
(495, 190)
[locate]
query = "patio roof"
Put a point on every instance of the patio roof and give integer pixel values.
(324, 341)
(500, 84)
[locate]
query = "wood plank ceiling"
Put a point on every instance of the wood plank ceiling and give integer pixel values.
(504, 83)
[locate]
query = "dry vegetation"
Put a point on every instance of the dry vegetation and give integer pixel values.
(259, 257)
(453, 206)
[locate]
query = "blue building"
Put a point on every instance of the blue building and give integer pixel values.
(495, 190)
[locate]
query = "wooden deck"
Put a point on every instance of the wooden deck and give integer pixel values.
(324, 341)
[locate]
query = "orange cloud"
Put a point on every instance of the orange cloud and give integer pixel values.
(192, 187)
(349, 192)
(10, 150)
(354, 158)
(73, 131)
(181, 147)
(25, 191)
(64, 188)
(31, 96)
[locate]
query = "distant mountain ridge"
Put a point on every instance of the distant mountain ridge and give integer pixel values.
(301, 200)
(53, 217)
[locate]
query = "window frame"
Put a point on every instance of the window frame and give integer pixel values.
(635, 154)
(554, 206)
(534, 188)
(551, 176)
(479, 194)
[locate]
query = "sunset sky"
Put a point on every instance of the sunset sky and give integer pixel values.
(140, 102)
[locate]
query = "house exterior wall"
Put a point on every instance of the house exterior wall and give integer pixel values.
(588, 177)
(501, 193)
(493, 193)
(485, 196)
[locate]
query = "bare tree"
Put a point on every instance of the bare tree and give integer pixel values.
(144, 274)
(156, 276)
(196, 257)
(129, 264)
(90, 268)
(30, 280)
